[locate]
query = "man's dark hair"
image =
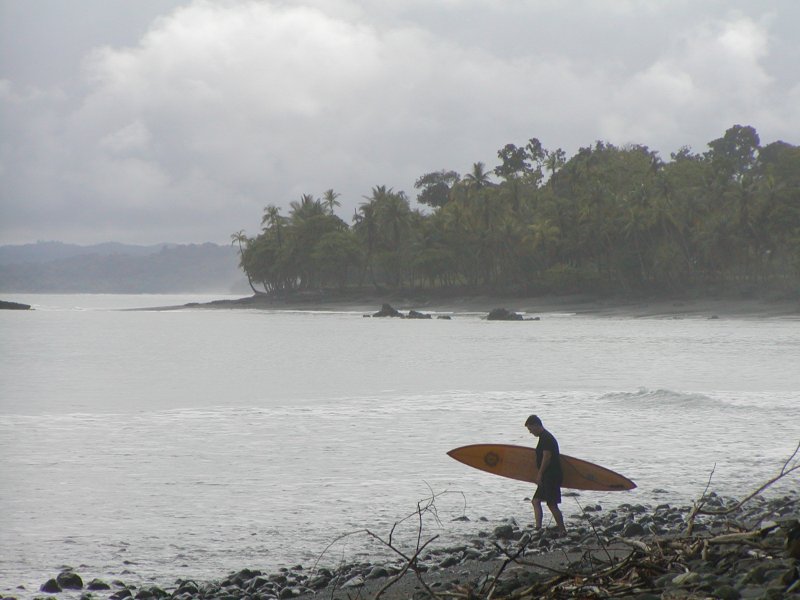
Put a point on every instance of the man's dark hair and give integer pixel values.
(533, 420)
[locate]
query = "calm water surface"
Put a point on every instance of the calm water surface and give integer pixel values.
(148, 445)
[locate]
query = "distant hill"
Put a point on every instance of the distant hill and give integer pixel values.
(112, 268)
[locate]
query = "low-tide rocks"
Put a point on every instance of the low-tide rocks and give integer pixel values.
(673, 565)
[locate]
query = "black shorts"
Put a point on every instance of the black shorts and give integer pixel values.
(549, 490)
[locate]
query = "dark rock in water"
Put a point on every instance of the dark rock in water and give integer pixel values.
(502, 314)
(5, 305)
(69, 581)
(387, 310)
(50, 586)
(97, 584)
(413, 314)
(444, 317)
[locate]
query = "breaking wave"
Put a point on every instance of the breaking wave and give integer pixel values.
(662, 398)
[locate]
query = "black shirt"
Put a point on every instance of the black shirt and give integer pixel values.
(548, 443)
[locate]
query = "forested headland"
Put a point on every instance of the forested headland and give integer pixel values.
(608, 220)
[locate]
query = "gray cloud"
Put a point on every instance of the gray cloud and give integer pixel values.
(185, 124)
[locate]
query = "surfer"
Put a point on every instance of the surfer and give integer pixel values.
(549, 477)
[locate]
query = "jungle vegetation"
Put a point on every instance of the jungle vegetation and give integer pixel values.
(607, 220)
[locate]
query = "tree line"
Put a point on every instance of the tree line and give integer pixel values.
(607, 219)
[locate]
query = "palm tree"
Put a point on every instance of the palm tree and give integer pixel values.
(394, 217)
(241, 238)
(329, 199)
(478, 178)
(366, 226)
(307, 207)
(273, 220)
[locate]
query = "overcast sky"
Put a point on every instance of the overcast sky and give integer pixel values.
(147, 121)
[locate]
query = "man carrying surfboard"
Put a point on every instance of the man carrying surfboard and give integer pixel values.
(549, 476)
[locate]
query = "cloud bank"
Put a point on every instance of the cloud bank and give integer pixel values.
(222, 107)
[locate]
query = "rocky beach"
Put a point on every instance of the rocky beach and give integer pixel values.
(717, 548)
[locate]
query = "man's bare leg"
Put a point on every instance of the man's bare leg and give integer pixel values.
(537, 513)
(556, 515)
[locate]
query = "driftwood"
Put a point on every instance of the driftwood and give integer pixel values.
(700, 504)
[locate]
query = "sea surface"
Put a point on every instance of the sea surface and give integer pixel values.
(150, 445)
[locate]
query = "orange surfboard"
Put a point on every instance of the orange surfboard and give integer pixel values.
(519, 462)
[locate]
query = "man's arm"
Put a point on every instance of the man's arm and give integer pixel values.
(547, 456)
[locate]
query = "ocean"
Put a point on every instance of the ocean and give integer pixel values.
(150, 445)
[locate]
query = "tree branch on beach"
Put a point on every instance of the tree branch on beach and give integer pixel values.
(427, 506)
(699, 505)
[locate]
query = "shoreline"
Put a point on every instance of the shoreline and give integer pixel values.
(643, 552)
(368, 303)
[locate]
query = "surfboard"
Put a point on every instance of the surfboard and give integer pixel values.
(519, 462)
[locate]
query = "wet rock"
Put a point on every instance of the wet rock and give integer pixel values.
(357, 581)
(318, 582)
(69, 580)
(413, 314)
(633, 530)
(752, 592)
(503, 532)
(151, 593)
(377, 573)
(50, 586)
(97, 584)
(726, 592)
(387, 310)
(257, 582)
(686, 579)
(793, 539)
(502, 314)
(448, 562)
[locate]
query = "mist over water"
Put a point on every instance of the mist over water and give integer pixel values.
(155, 445)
